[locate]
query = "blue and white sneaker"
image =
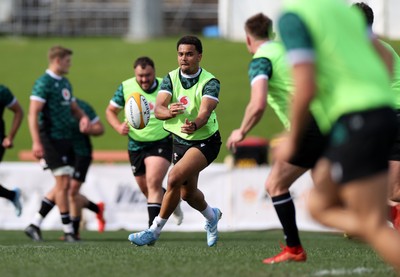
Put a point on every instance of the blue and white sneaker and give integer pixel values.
(143, 238)
(17, 202)
(212, 228)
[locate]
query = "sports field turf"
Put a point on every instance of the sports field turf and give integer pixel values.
(183, 254)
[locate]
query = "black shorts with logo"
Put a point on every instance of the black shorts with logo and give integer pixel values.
(161, 149)
(81, 167)
(209, 147)
(57, 152)
(360, 144)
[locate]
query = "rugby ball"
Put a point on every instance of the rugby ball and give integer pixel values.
(137, 110)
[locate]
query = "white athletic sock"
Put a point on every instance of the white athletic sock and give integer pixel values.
(208, 213)
(157, 225)
(68, 228)
(37, 220)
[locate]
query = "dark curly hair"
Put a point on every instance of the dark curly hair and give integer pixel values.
(367, 11)
(191, 40)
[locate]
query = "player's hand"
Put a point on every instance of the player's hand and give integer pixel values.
(235, 137)
(7, 142)
(84, 124)
(189, 127)
(37, 150)
(176, 108)
(123, 129)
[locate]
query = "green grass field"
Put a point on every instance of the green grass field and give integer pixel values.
(184, 254)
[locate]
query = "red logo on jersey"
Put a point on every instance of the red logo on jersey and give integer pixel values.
(152, 106)
(66, 94)
(184, 100)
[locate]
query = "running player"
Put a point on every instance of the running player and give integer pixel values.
(82, 159)
(150, 149)
(51, 106)
(186, 102)
(394, 159)
(271, 83)
(337, 67)
(9, 101)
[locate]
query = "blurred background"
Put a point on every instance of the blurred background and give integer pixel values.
(107, 36)
(141, 19)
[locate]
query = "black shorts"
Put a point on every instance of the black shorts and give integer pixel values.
(311, 146)
(209, 147)
(57, 152)
(395, 153)
(360, 143)
(162, 149)
(81, 167)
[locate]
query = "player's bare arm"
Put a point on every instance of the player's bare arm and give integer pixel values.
(164, 110)
(35, 107)
(385, 55)
(84, 121)
(112, 113)
(16, 123)
(253, 113)
(96, 128)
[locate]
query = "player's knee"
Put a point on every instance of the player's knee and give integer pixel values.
(155, 189)
(189, 195)
(395, 192)
(275, 188)
(314, 212)
(73, 190)
(315, 208)
(372, 224)
(186, 195)
(174, 180)
(153, 182)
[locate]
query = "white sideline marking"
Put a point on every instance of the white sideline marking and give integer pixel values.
(330, 272)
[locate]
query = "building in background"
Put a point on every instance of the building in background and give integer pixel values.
(233, 14)
(137, 19)
(142, 19)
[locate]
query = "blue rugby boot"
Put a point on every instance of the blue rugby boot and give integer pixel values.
(212, 228)
(146, 237)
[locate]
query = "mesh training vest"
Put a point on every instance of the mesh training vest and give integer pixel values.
(154, 129)
(191, 98)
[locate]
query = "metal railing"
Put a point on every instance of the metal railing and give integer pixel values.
(100, 18)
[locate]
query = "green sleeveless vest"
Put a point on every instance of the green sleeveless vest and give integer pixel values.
(280, 85)
(396, 73)
(350, 76)
(191, 98)
(154, 130)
